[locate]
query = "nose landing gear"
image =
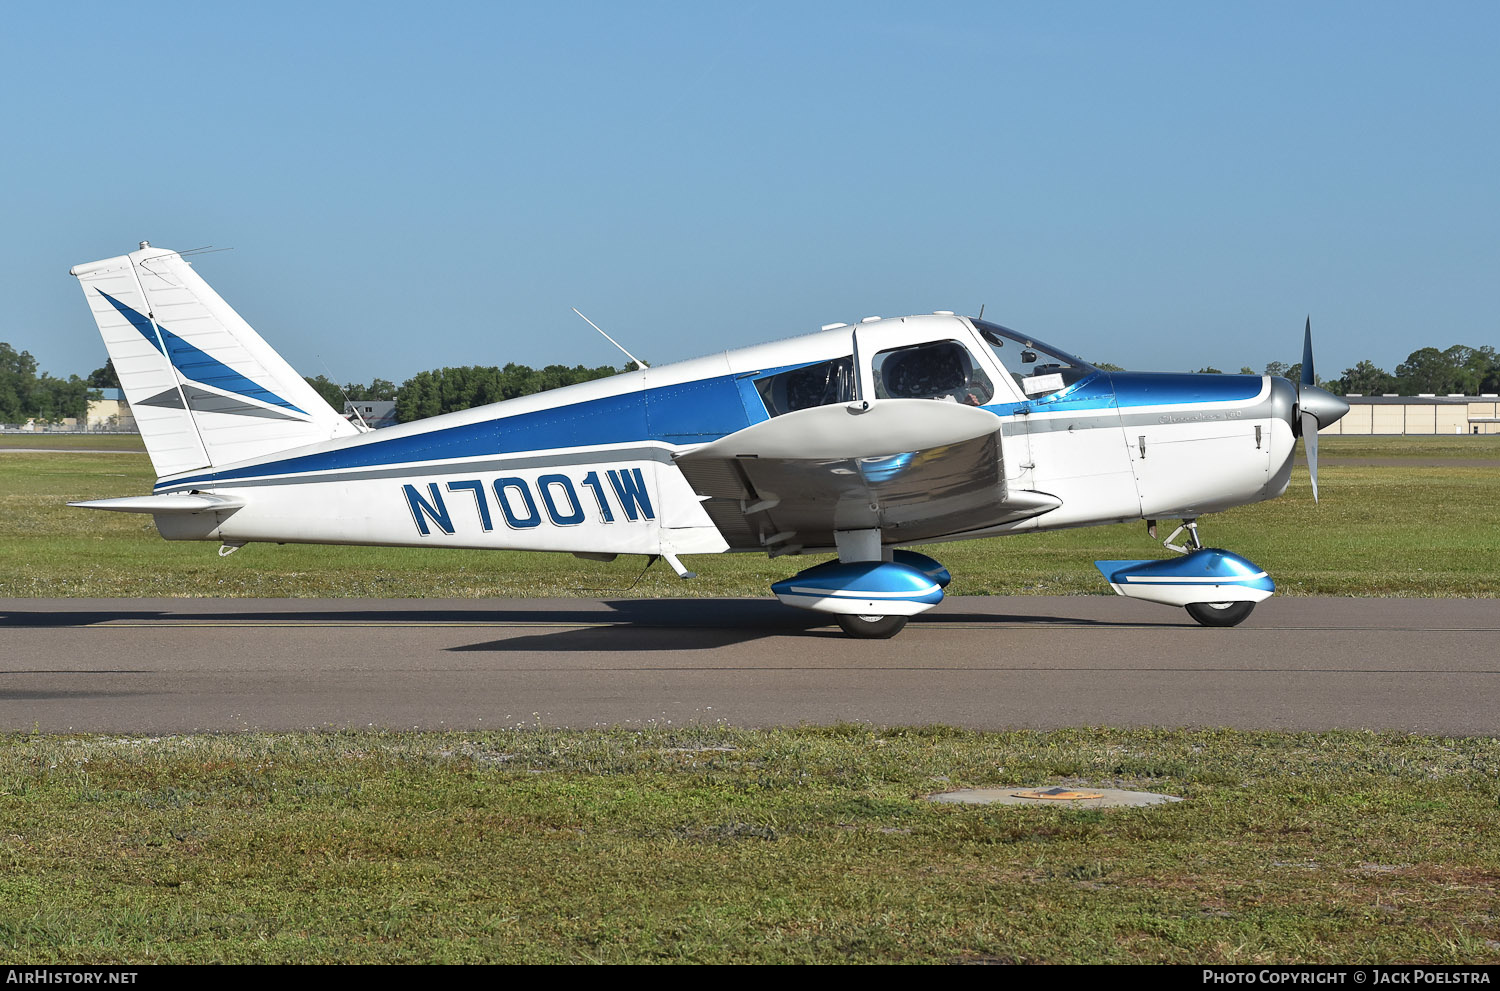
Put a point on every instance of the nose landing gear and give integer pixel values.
(1191, 526)
(1216, 587)
(1220, 613)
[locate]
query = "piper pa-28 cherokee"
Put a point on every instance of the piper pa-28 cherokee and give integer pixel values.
(861, 440)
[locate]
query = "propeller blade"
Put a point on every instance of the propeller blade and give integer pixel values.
(1308, 378)
(1310, 441)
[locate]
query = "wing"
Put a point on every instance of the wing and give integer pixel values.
(913, 468)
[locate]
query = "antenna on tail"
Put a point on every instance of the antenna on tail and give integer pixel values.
(361, 424)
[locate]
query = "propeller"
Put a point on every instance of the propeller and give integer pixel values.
(1317, 408)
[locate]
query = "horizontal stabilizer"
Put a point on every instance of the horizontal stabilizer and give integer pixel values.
(165, 504)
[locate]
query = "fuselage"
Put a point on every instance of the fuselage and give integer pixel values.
(593, 468)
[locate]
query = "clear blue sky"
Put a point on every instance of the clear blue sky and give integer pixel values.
(405, 186)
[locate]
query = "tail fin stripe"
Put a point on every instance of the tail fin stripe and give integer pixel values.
(200, 401)
(187, 359)
(137, 319)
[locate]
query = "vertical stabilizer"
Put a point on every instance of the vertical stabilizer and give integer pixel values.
(204, 387)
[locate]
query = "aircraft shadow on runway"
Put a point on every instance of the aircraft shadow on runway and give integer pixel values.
(68, 695)
(607, 625)
(706, 624)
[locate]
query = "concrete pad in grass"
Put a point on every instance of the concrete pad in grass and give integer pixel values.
(1080, 797)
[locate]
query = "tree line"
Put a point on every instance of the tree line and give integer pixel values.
(447, 390)
(1459, 369)
(26, 395)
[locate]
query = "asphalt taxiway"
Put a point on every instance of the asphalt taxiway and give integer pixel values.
(157, 666)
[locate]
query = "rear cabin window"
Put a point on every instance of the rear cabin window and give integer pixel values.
(822, 384)
(942, 370)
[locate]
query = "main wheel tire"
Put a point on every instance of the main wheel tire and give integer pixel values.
(1220, 613)
(871, 627)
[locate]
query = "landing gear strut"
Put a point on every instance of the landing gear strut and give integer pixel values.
(1191, 526)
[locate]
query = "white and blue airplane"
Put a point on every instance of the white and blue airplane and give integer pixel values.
(863, 440)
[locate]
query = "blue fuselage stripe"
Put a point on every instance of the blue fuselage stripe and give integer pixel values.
(689, 413)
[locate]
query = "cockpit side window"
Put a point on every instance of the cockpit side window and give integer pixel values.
(820, 384)
(943, 370)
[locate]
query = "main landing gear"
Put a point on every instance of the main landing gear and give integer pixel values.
(872, 627)
(871, 598)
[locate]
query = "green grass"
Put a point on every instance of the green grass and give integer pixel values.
(1422, 530)
(1415, 447)
(88, 442)
(708, 844)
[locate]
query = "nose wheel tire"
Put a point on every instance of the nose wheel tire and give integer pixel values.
(1220, 613)
(871, 627)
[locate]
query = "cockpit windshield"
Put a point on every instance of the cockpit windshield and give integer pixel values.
(1037, 368)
